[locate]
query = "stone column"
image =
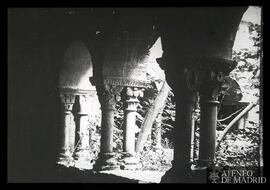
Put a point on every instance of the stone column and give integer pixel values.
(182, 140)
(108, 97)
(194, 135)
(211, 80)
(67, 101)
(192, 139)
(208, 131)
(131, 103)
(203, 74)
(82, 153)
(185, 91)
(242, 122)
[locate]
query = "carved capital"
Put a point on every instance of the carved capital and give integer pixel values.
(211, 85)
(67, 101)
(110, 95)
(131, 98)
(134, 92)
(206, 75)
(192, 79)
(83, 99)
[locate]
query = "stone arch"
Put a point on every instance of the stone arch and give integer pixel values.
(76, 67)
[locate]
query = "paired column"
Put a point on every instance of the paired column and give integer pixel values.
(203, 75)
(75, 126)
(108, 97)
(67, 101)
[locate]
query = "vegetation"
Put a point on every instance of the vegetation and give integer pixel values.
(241, 146)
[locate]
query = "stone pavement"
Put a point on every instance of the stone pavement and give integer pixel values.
(141, 176)
(74, 174)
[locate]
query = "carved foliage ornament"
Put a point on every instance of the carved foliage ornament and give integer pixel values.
(207, 75)
(131, 97)
(83, 103)
(110, 95)
(211, 85)
(134, 92)
(67, 101)
(118, 81)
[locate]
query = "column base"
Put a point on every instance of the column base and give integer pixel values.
(185, 174)
(176, 174)
(106, 161)
(203, 164)
(199, 173)
(82, 159)
(65, 159)
(82, 155)
(200, 170)
(83, 164)
(129, 162)
(158, 148)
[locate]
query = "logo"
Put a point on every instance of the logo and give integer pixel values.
(236, 176)
(214, 177)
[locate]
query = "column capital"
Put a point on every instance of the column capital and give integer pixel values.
(109, 96)
(67, 101)
(206, 74)
(210, 85)
(196, 73)
(83, 99)
(131, 98)
(134, 91)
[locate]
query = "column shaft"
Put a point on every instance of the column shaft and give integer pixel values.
(107, 122)
(82, 151)
(182, 133)
(242, 122)
(208, 130)
(72, 133)
(84, 131)
(192, 140)
(129, 133)
(65, 134)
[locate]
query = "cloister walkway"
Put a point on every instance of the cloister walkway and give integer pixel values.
(75, 175)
